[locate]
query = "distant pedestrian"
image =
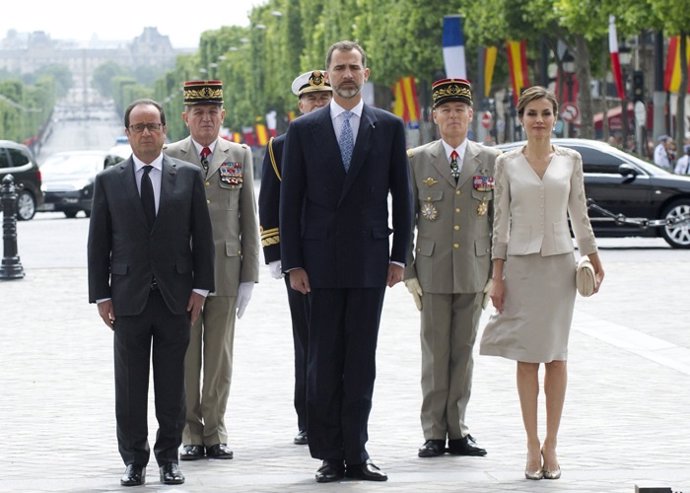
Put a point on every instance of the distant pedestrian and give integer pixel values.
(661, 153)
(683, 163)
(150, 262)
(538, 188)
(313, 92)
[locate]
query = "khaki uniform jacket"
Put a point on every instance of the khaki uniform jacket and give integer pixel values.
(229, 185)
(452, 251)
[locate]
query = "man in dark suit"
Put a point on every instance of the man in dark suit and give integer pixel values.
(339, 165)
(313, 92)
(150, 261)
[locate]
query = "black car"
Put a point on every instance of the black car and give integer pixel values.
(17, 160)
(68, 179)
(630, 187)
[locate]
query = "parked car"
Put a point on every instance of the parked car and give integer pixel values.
(68, 179)
(18, 161)
(629, 186)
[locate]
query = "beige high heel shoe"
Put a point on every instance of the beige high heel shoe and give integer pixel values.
(550, 474)
(535, 474)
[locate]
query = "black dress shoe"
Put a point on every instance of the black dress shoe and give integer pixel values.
(192, 452)
(432, 448)
(465, 446)
(219, 451)
(171, 474)
(367, 472)
(301, 438)
(134, 475)
(330, 471)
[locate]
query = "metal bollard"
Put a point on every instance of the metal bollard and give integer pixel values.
(11, 267)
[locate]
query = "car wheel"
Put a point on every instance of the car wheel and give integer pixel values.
(71, 213)
(678, 236)
(26, 206)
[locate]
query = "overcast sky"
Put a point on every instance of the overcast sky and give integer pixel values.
(124, 19)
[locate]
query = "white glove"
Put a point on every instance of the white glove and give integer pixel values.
(487, 293)
(415, 289)
(276, 269)
(244, 294)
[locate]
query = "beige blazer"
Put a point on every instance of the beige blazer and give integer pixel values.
(531, 213)
(451, 253)
(229, 186)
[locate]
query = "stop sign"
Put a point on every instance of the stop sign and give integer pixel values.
(486, 119)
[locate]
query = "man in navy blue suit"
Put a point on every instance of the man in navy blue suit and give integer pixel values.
(339, 165)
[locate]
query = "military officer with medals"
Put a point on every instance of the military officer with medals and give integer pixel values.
(313, 92)
(229, 182)
(448, 266)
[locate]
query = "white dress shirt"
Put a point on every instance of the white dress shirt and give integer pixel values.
(460, 150)
(338, 118)
(155, 175)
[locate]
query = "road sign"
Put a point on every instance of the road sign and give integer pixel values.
(570, 112)
(486, 119)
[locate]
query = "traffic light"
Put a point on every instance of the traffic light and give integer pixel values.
(638, 85)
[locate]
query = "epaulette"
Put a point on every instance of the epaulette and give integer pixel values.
(270, 237)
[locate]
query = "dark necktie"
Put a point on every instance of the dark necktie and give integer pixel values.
(347, 140)
(454, 167)
(147, 199)
(205, 153)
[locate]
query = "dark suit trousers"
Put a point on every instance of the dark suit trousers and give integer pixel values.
(343, 332)
(298, 313)
(132, 344)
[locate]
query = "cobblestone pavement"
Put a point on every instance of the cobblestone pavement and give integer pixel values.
(625, 422)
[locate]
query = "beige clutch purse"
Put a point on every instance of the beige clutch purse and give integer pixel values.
(585, 280)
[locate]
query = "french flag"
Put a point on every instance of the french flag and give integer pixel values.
(454, 47)
(615, 60)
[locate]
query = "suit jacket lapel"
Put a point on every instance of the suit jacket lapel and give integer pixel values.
(470, 164)
(365, 137)
(324, 137)
(219, 157)
(168, 176)
(130, 190)
(440, 162)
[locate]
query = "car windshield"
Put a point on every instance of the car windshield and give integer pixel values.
(86, 164)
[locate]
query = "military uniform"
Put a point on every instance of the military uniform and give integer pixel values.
(451, 259)
(229, 183)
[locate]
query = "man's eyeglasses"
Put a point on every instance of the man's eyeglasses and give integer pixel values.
(140, 127)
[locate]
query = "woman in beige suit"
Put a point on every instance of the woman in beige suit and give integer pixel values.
(537, 188)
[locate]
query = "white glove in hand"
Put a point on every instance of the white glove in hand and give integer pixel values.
(415, 289)
(244, 294)
(487, 293)
(276, 269)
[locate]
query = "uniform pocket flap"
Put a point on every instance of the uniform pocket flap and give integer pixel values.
(431, 196)
(482, 246)
(425, 247)
(232, 249)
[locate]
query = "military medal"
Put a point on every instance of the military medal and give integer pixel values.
(429, 181)
(231, 173)
(483, 208)
(483, 183)
(429, 212)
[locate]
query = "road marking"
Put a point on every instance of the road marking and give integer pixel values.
(652, 348)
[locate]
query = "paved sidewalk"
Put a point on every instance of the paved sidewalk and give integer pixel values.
(626, 419)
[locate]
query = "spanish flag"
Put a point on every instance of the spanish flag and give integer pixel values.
(489, 64)
(261, 133)
(406, 104)
(517, 64)
(672, 73)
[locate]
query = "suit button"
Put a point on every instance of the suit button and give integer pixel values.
(208, 184)
(208, 201)
(428, 198)
(457, 209)
(456, 227)
(456, 245)
(458, 192)
(419, 249)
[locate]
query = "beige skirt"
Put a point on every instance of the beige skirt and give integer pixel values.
(538, 310)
